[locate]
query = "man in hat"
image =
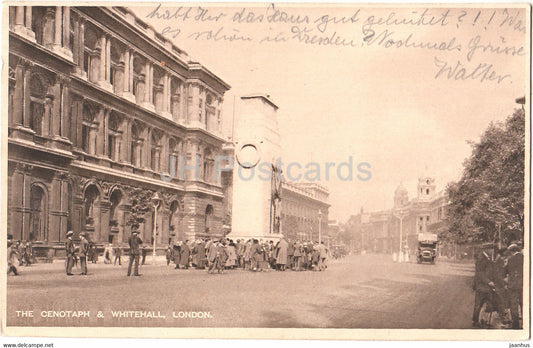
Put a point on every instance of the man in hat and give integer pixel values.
(84, 249)
(11, 258)
(70, 250)
(134, 242)
(515, 269)
(483, 282)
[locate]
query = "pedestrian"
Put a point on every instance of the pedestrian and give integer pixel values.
(212, 256)
(118, 256)
(322, 254)
(169, 255)
(185, 253)
(84, 248)
(134, 242)
(297, 256)
(246, 256)
(483, 284)
(107, 254)
(290, 254)
(500, 285)
(70, 251)
(281, 254)
(28, 253)
(144, 253)
(202, 259)
(239, 251)
(256, 256)
(515, 269)
(11, 258)
(232, 255)
(222, 256)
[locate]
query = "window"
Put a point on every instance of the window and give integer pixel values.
(113, 137)
(136, 145)
(37, 105)
(173, 160)
(208, 165)
(155, 151)
(88, 131)
(175, 99)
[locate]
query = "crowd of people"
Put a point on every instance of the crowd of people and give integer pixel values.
(498, 282)
(19, 253)
(253, 254)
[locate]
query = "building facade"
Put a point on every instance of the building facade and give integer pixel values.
(111, 126)
(390, 231)
(304, 211)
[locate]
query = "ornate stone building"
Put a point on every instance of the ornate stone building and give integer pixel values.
(380, 231)
(304, 206)
(103, 114)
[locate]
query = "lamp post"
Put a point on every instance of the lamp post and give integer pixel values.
(400, 215)
(319, 226)
(156, 200)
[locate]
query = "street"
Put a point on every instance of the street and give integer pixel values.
(360, 291)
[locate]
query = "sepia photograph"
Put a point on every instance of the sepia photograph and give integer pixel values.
(266, 170)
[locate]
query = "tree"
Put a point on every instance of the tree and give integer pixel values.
(490, 194)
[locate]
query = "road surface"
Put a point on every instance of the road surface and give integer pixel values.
(360, 291)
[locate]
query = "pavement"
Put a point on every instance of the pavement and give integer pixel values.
(359, 291)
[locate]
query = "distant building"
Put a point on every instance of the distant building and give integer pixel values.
(380, 231)
(103, 114)
(304, 206)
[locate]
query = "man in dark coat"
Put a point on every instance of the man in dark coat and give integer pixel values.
(515, 270)
(84, 249)
(118, 256)
(483, 282)
(185, 253)
(135, 243)
(70, 250)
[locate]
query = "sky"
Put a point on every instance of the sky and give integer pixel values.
(384, 106)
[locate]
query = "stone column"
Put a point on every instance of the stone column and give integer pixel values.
(66, 28)
(19, 16)
(193, 105)
(166, 97)
(126, 70)
(58, 28)
(28, 17)
(55, 119)
(18, 96)
(128, 76)
(164, 156)
(81, 48)
(26, 99)
(125, 141)
(108, 60)
(148, 87)
(65, 110)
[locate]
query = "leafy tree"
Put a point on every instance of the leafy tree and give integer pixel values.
(490, 194)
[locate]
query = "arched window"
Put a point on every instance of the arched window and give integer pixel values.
(116, 71)
(155, 146)
(38, 213)
(42, 23)
(91, 198)
(89, 129)
(115, 198)
(91, 53)
(37, 104)
(175, 99)
(209, 164)
(136, 145)
(157, 92)
(138, 79)
(208, 219)
(173, 158)
(113, 137)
